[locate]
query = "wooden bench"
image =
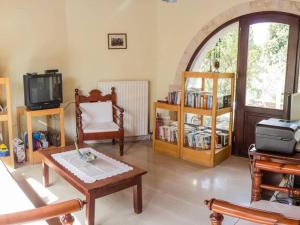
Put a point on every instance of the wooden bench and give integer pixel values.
(16, 207)
(261, 211)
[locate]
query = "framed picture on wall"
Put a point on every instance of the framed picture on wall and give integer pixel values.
(117, 41)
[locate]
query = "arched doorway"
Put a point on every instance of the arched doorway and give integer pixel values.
(262, 49)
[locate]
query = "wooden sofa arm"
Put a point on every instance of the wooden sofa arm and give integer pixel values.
(63, 209)
(221, 208)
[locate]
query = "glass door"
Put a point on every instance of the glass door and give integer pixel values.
(266, 72)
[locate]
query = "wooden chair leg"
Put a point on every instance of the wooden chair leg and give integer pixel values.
(67, 219)
(121, 143)
(113, 141)
(216, 218)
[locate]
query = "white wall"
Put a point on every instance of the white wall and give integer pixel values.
(90, 60)
(32, 39)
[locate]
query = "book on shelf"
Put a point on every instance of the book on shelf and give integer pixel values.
(224, 101)
(174, 97)
(166, 129)
(198, 99)
(199, 138)
(204, 100)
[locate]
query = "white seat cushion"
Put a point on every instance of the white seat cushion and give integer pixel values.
(286, 210)
(96, 112)
(100, 127)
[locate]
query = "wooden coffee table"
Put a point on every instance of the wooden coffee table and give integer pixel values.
(100, 188)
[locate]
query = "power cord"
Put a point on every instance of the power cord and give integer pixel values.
(250, 160)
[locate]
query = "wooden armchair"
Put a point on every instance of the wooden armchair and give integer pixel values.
(260, 211)
(98, 117)
(45, 213)
(256, 214)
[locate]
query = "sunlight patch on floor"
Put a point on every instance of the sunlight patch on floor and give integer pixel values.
(44, 193)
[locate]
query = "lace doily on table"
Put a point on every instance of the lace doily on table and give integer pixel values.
(99, 169)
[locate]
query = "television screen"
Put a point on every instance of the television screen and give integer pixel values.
(44, 89)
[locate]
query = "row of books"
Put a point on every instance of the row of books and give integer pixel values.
(204, 100)
(224, 101)
(168, 133)
(166, 129)
(174, 97)
(200, 138)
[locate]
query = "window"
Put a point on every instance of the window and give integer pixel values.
(223, 46)
(267, 60)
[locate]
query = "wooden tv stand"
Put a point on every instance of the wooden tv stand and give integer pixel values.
(32, 156)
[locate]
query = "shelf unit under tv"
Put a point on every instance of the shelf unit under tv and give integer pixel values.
(212, 156)
(32, 155)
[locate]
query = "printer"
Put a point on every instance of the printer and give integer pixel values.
(277, 135)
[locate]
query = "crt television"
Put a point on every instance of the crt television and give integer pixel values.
(43, 91)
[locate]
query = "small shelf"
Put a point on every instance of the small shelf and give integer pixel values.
(163, 146)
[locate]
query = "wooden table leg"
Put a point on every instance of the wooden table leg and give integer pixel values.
(256, 182)
(90, 210)
(45, 174)
(137, 196)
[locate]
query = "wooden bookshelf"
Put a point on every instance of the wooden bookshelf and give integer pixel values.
(212, 156)
(164, 146)
(32, 155)
(6, 119)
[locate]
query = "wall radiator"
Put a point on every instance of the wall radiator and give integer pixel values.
(133, 96)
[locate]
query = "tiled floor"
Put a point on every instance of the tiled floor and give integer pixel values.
(173, 190)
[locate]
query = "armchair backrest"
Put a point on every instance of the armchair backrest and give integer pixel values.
(96, 112)
(96, 107)
(95, 95)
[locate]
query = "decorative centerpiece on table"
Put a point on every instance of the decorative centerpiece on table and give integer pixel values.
(86, 156)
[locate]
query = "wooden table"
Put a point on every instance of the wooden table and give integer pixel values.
(100, 188)
(269, 177)
(275, 157)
